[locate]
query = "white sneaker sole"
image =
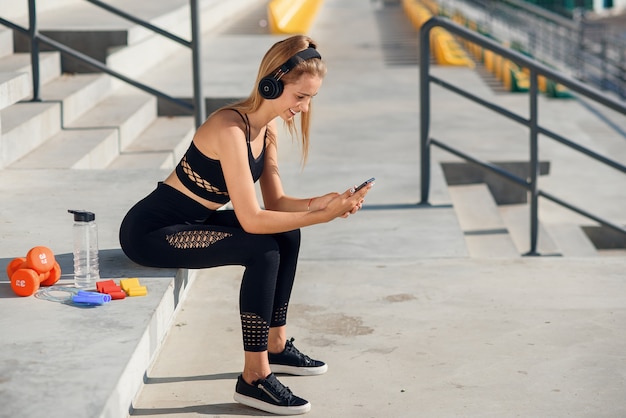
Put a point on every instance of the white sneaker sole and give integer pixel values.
(272, 409)
(298, 371)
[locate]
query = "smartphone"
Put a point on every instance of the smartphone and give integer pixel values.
(365, 183)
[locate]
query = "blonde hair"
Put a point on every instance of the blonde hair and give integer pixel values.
(276, 56)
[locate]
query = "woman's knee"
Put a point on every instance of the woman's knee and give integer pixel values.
(291, 239)
(263, 249)
(270, 249)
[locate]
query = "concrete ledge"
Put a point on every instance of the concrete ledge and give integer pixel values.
(53, 351)
(292, 16)
(90, 361)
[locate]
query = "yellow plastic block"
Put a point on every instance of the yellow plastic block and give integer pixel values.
(127, 284)
(137, 291)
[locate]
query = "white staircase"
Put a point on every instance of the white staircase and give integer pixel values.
(91, 120)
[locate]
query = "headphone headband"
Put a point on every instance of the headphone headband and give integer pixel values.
(305, 54)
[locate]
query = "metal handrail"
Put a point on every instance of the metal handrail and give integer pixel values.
(198, 107)
(536, 69)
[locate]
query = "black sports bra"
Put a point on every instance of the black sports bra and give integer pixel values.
(204, 176)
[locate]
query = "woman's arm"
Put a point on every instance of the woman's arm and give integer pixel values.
(274, 196)
(284, 213)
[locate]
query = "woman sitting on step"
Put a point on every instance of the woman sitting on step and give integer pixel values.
(179, 225)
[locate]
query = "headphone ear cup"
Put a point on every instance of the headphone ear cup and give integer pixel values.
(270, 88)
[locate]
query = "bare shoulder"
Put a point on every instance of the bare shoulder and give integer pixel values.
(224, 119)
(218, 131)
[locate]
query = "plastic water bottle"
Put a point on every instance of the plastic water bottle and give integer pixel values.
(86, 268)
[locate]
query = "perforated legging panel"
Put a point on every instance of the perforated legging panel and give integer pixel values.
(165, 230)
(280, 316)
(195, 239)
(255, 331)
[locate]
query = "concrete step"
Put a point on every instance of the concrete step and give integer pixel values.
(78, 93)
(97, 137)
(6, 41)
(94, 31)
(129, 112)
(125, 46)
(566, 239)
(147, 52)
(613, 253)
(78, 149)
(49, 66)
(517, 219)
(485, 233)
(13, 88)
(146, 49)
(85, 101)
(571, 240)
(25, 126)
(161, 145)
(234, 42)
(14, 10)
(221, 87)
(28, 125)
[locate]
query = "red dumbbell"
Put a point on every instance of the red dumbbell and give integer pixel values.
(39, 268)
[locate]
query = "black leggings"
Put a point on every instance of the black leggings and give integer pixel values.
(169, 230)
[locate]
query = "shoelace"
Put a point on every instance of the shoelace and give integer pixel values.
(292, 348)
(276, 390)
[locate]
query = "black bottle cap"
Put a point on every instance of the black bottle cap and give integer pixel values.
(82, 215)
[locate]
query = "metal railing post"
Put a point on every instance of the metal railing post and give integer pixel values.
(534, 163)
(622, 72)
(424, 116)
(34, 49)
(196, 52)
(604, 82)
(580, 60)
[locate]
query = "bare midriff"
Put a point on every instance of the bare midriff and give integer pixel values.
(173, 181)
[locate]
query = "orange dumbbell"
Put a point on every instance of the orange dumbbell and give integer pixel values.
(39, 268)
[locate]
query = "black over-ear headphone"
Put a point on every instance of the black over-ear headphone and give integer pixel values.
(271, 87)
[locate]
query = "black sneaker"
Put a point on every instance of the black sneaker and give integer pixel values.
(292, 361)
(270, 395)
